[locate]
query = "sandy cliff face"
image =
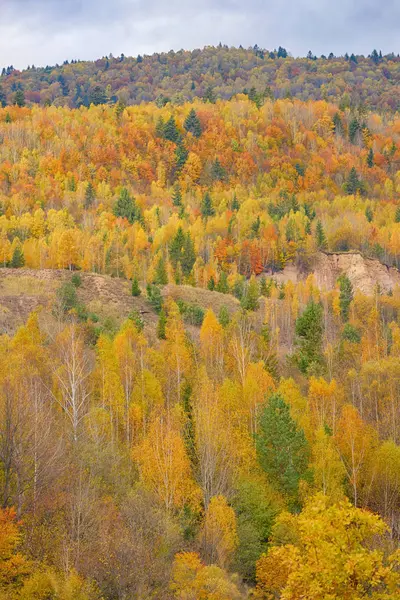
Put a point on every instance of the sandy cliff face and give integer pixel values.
(364, 273)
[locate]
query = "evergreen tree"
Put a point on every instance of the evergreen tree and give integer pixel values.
(171, 131)
(135, 289)
(223, 316)
(19, 98)
(353, 183)
(181, 156)
(209, 96)
(161, 325)
(251, 295)
(369, 215)
(89, 195)
(188, 255)
(354, 128)
(309, 331)
(161, 277)
(177, 195)
(345, 297)
(3, 98)
(282, 449)
(337, 123)
(218, 172)
(125, 207)
(397, 215)
(235, 203)
(155, 298)
(192, 124)
(97, 96)
(370, 159)
(320, 237)
(264, 286)
(255, 228)
(282, 52)
(211, 284)
(18, 259)
(207, 209)
(222, 285)
(176, 247)
(375, 56)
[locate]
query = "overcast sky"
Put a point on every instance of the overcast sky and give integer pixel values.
(44, 32)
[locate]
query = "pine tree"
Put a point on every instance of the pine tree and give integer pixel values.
(192, 124)
(235, 203)
(18, 259)
(369, 215)
(161, 277)
(250, 298)
(155, 298)
(397, 215)
(19, 98)
(211, 284)
(353, 183)
(97, 96)
(176, 247)
(337, 123)
(320, 237)
(218, 172)
(209, 96)
(135, 289)
(177, 195)
(89, 195)
(354, 128)
(309, 331)
(207, 209)
(171, 131)
(3, 98)
(223, 316)
(181, 156)
(370, 159)
(282, 448)
(222, 285)
(345, 297)
(188, 255)
(161, 325)
(125, 207)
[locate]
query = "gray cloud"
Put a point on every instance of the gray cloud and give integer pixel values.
(48, 31)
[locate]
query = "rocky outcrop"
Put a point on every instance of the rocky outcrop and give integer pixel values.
(364, 273)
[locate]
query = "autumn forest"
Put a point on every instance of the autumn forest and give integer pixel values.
(188, 409)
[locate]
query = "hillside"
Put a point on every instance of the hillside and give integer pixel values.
(183, 76)
(200, 328)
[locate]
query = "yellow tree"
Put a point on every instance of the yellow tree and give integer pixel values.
(13, 566)
(328, 469)
(212, 343)
(109, 386)
(355, 441)
(176, 350)
(164, 465)
(193, 580)
(219, 535)
(327, 552)
(130, 347)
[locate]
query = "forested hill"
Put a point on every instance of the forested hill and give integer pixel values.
(211, 73)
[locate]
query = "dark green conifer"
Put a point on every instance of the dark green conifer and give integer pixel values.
(192, 124)
(135, 289)
(207, 209)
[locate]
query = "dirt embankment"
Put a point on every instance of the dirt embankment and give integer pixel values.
(25, 290)
(364, 273)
